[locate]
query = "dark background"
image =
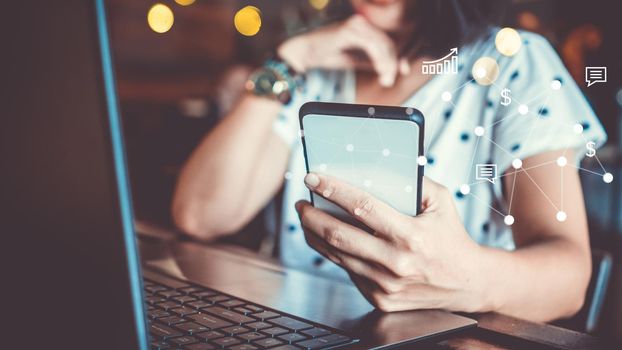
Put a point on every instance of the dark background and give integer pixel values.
(175, 86)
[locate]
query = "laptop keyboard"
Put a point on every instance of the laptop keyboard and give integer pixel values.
(185, 316)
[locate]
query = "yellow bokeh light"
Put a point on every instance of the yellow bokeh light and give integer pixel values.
(508, 41)
(485, 71)
(160, 18)
(319, 4)
(185, 2)
(247, 20)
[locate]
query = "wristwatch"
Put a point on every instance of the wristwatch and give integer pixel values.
(275, 79)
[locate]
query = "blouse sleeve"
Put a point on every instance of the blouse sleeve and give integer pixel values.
(548, 110)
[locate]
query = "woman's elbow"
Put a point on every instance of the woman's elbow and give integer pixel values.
(200, 221)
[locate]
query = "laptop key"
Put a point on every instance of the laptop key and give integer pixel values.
(162, 331)
(233, 330)
(183, 299)
(159, 345)
(228, 315)
(191, 327)
(191, 289)
(199, 346)
(154, 288)
(251, 336)
(168, 293)
(231, 303)
(209, 335)
(243, 310)
(265, 315)
(267, 342)
(183, 311)
(167, 305)
(274, 331)
(286, 347)
(203, 294)
(171, 320)
(154, 299)
(290, 323)
(157, 313)
(316, 332)
(216, 298)
(329, 340)
(226, 341)
(253, 308)
(199, 304)
(210, 321)
(292, 337)
(256, 326)
(243, 347)
(185, 340)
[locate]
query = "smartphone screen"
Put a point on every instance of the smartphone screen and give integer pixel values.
(377, 155)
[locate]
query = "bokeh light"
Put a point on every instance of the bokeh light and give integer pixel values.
(508, 41)
(160, 18)
(185, 2)
(485, 71)
(247, 20)
(319, 4)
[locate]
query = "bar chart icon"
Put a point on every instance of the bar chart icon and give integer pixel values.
(444, 65)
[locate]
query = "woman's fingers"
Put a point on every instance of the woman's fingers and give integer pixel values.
(371, 211)
(343, 237)
(378, 47)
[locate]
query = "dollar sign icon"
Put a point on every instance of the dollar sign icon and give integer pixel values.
(505, 94)
(591, 151)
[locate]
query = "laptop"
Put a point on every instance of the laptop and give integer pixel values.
(72, 275)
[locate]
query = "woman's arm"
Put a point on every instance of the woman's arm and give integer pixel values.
(233, 172)
(429, 261)
(551, 266)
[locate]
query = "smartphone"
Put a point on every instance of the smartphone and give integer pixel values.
(374, 148)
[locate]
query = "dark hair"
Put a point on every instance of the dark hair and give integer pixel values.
(443, 24)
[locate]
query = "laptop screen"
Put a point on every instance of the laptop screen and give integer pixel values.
(72, 267)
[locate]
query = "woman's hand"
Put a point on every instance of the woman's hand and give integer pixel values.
(332, 47)
(421, 262)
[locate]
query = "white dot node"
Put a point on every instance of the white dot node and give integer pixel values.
(523, 109)
(577, 128)
(608, 178)
(408, 189)
(446, 96)
(508, 220)
(480, 72)
(323, 167)
(367, 183)
(386, 152)
(422, 160)
(562, 161)
(371, 110)
(517, 163)
(556, 84)
(410, 111)
(561, 216)
(479, 131)
(349, 147)
(288, 175)
(465, 189)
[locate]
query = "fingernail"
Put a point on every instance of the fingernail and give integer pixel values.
(386, 81)
(312, 180)
(404, 67)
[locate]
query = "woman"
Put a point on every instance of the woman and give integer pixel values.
(486, 247)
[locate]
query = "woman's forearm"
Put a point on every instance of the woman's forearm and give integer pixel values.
(541, 282)
(212, 184)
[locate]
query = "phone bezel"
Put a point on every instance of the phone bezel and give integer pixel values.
(362, 111)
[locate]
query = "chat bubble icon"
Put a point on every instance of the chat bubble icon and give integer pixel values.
(487, 172)
(595, 75)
